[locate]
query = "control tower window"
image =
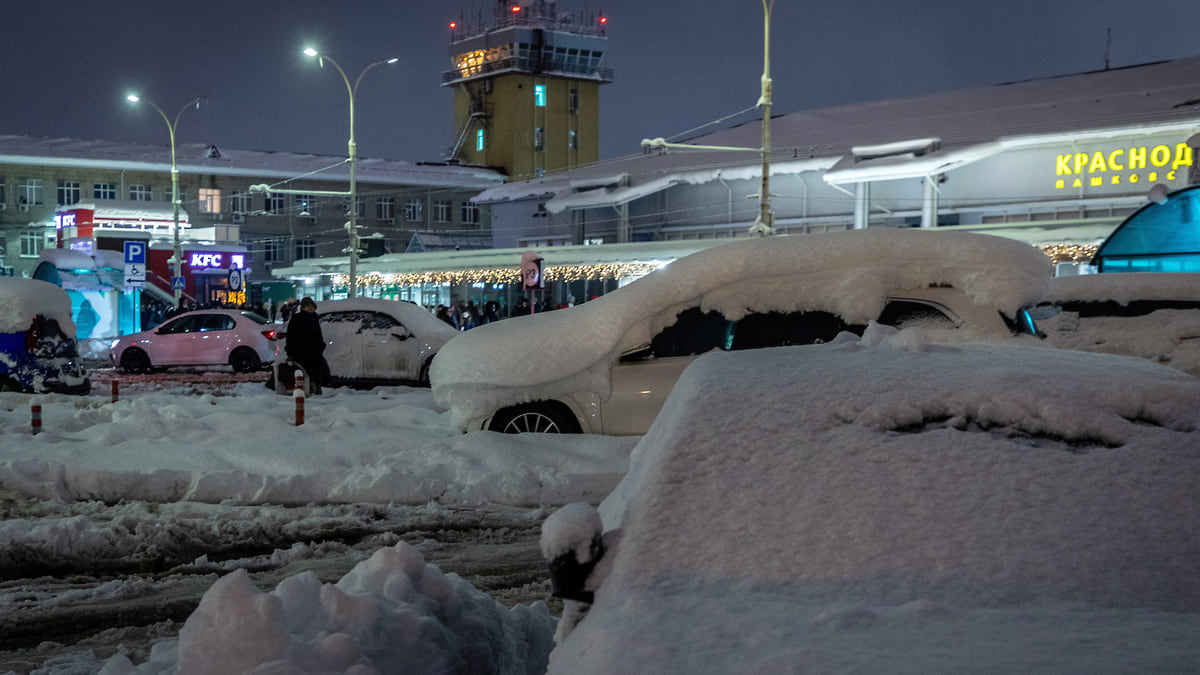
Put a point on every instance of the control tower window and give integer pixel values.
(539, 95)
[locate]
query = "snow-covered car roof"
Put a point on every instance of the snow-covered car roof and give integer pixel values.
(884, 505)
(416, 318)
(22, 299)
(848, 273)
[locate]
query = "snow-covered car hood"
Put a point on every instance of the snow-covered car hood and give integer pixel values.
(849, 273)
(22, 299)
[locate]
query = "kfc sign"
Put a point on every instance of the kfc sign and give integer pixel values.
(218, 260)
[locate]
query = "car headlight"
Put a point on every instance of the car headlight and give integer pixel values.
(114, 344)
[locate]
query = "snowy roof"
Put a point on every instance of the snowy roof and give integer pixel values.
(23, 299)
(198, 158)
(968, 124)
(1125, 288)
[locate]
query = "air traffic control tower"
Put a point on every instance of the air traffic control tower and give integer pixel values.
(527, 88)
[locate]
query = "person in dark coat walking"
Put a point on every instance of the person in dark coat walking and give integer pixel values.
(306, 344)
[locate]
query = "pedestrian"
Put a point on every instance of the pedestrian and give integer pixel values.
(285, 310)
(306, 344)
(444, 314)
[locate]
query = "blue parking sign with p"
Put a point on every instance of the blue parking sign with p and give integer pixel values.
(135, 253)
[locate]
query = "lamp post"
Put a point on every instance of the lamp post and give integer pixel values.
(171, 125)
(352, 155)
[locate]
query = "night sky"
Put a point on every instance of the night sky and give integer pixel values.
(678, 64)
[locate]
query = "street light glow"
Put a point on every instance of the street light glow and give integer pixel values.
(132, 98)
(310, 51)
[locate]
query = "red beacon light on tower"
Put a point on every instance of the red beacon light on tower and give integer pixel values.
(453, 25)
(516, 9)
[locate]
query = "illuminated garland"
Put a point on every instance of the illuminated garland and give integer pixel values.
(1073, 253)
(501, 275)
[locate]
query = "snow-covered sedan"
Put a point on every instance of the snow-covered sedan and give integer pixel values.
(372, 342)
(607, 366)
(888, 505)
(38, 350)
(203, 338)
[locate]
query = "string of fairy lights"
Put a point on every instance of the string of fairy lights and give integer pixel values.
(502, 275)
(1079, 254)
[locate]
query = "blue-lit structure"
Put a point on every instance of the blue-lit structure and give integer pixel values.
(1162, 236)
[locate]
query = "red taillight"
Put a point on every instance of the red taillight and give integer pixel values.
(269, 334)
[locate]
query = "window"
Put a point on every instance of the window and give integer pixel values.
(139, 193)
(307, 205)
(777, 329)
(239, 202)
(104, 191)
(479, 140)
(68, 192)
(441, 211)
(210, 200)
(573, 101)
(360, 207)
(274, 203)
(272, 251)
(32, 243)
(385, 208)
(3, 193)
(413, 210)
(572, 140)
(539, 139)
(305, 248)
(470, 213)
(539, 95)
(31, 191)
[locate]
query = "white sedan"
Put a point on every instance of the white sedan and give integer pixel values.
(370, 342)
(231, 338)
(607, 366)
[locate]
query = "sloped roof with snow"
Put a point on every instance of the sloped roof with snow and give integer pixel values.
(198, 158)
(968, 124)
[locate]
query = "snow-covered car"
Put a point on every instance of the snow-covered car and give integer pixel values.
(1154, 316)
(371, 342)
(607, 366)
(241, 340)
(38, 350)
(887, 505)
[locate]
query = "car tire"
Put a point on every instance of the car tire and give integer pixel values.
(542, 417)
(244, 361)
(135, 361)
(423, 378)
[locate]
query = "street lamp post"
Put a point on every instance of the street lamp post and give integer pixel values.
(171, 125)
(352, 155)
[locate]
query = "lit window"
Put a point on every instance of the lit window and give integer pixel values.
(539, 95)
(572, 140)
(479, 140)
(210, 200)
(307, 205)
(139, 193)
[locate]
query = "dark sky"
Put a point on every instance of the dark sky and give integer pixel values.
(678, 63)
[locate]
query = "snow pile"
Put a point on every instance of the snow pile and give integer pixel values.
(1124, 288)
(391, 613)
(906, 508)
(22, 299)
(847, 273)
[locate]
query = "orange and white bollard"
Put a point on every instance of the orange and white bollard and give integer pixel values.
(35, 421)
(299, 379)
(115, 387)
(298, 394)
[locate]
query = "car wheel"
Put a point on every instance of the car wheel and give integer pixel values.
(423, 379)
(541, 417)
(244, 361)
(8, 384)
(135, 361)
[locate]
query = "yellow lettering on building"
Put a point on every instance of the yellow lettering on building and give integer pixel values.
(1064, 165)
(1133, 178)
(1098, 164)
(1116, 179)
(1137, 158)
(1081, 159)
(1160, 155)
(1097, 181)
(1183, 156)
(1152, 177)
(1077, 183)
(1112, 160)
(1060, 184)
